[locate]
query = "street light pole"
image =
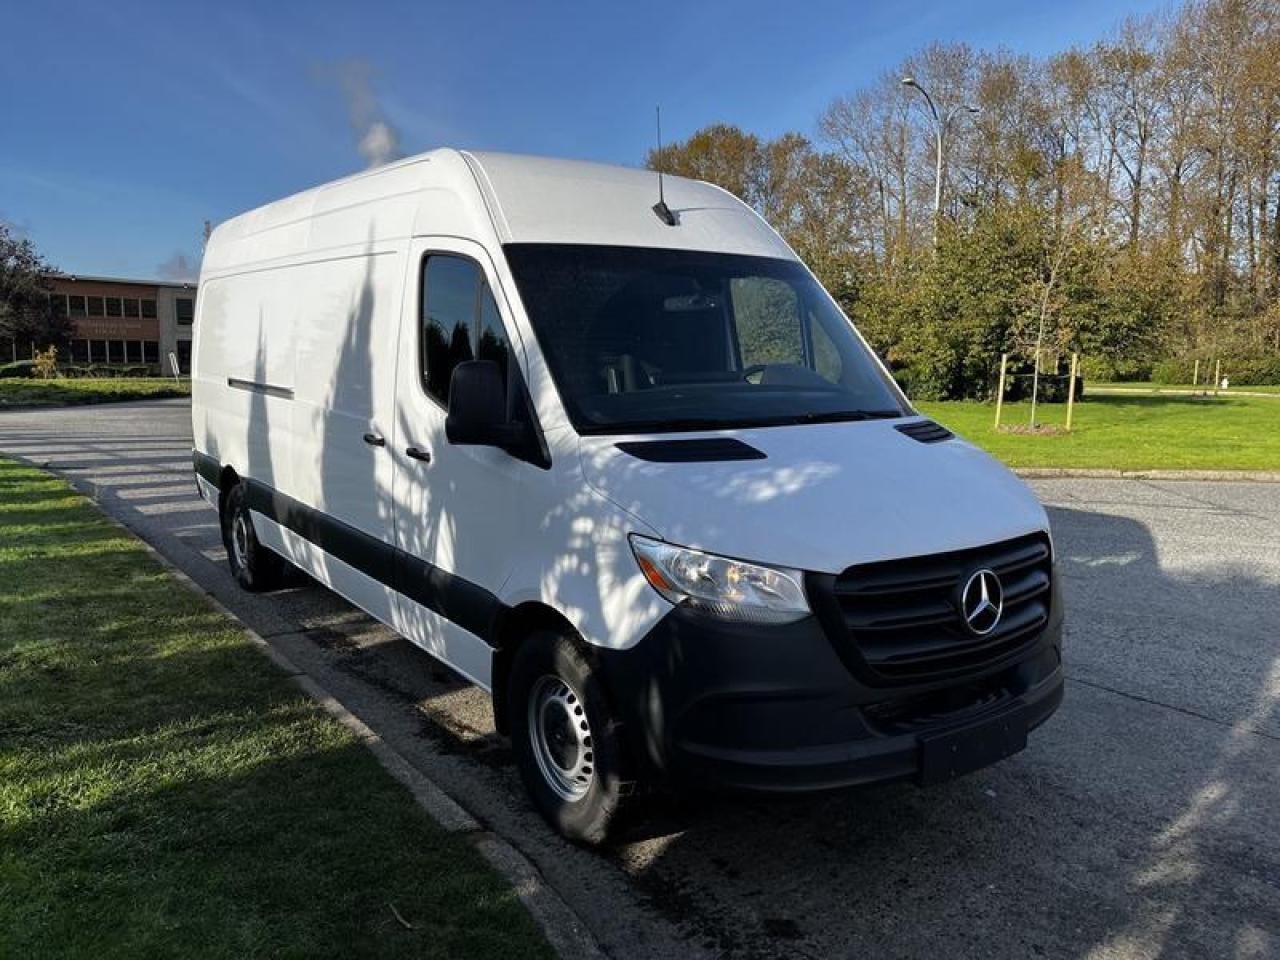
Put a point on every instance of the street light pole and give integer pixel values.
(940, 125)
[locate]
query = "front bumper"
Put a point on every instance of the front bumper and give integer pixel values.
(775, 708)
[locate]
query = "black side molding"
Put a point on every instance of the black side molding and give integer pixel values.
(706, 450)
(267, 389)
(467, 604)
(925, 431)
(206, 466)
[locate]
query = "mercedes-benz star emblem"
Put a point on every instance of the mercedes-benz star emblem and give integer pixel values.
(982, 602)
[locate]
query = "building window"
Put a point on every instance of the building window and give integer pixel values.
(58, 304)
(76, 304)
(80, 351)
(130, 307)
(149, 309)
(113, 307)
(184, 355)
(96, 308)
(186, 308)
(150, 351)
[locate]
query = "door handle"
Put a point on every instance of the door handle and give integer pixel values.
(373, 440)
(417, 453)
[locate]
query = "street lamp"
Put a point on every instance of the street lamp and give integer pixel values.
(940, 125)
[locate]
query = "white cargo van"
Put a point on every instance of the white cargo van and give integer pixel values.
(625, 465)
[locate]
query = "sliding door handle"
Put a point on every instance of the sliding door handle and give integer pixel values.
(373, 440)
(417, 453)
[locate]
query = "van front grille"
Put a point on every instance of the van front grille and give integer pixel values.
(900, 621)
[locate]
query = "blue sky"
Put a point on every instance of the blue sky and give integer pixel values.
(125, 125)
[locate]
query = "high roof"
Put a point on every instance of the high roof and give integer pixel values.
(507, 198)
(543, 200)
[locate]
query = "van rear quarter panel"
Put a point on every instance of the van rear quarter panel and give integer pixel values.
(245, 333)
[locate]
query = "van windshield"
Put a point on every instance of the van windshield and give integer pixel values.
(646, 340)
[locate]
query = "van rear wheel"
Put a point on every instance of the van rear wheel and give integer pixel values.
(566, 739)
(254, 566)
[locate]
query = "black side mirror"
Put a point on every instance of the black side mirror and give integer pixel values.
(477, 405)
(478, 414)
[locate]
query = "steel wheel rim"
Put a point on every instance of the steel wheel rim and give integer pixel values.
(561, 738)
(240, 538)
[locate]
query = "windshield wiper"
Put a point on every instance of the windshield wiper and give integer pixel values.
(661, 426)
(677, 425)
(842, 416)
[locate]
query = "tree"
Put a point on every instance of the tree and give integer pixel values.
(26, 311)
(1124, 195)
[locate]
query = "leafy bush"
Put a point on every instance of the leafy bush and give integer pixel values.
(103, 371)
(1115, 370)
(1242, 371)
(45, 364)
(20, 368)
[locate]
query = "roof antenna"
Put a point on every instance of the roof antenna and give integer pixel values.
(660, 208)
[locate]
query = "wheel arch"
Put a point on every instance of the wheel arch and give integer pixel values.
(512, 628)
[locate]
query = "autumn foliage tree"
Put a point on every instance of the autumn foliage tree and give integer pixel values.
(1127, 194)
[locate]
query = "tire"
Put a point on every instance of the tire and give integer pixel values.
(254, 567)
(566, 739)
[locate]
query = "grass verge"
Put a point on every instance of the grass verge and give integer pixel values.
(23, 392)
(1130, 432)
(165, 791)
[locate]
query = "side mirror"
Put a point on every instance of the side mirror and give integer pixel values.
(478, 414)
(477, 405)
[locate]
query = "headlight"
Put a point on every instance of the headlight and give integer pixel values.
(730, 589)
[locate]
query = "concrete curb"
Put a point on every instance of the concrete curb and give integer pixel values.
(1251, 476)
(565, 931)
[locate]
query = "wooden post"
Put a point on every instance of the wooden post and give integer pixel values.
(1071, 388)
(1195, 374)
(1217, 376)
(1004, 360)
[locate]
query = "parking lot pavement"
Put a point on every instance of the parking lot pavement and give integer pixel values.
(1140, 822)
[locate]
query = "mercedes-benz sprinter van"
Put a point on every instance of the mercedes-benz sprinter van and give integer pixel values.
(626, 466)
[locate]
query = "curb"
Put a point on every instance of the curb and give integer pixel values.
(568, 935)
(1048, 473)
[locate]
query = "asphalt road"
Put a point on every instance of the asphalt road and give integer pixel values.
(1143, 820)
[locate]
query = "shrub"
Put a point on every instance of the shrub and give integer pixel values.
(1241, 371)
(45, 364)
(1115, 371)
(20, 368)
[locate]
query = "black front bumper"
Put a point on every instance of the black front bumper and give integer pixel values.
(775, 708)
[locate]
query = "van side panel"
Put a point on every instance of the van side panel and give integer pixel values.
(345, 343)
(244, 375)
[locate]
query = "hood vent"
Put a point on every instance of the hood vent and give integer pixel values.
(926, 431)
(705, 450)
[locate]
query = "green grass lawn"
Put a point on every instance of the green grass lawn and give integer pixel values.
(1131, 432)
(1157, 387)
(166, 791)
(23, 392)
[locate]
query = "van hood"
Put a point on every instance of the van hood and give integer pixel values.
(823, 497)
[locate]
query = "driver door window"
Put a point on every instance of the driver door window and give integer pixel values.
(460, 322)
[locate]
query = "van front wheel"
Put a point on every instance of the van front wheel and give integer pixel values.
(254, 566)
(565, 739)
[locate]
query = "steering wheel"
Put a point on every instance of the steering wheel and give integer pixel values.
(752, 370)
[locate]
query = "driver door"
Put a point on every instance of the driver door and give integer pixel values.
(456, 507)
